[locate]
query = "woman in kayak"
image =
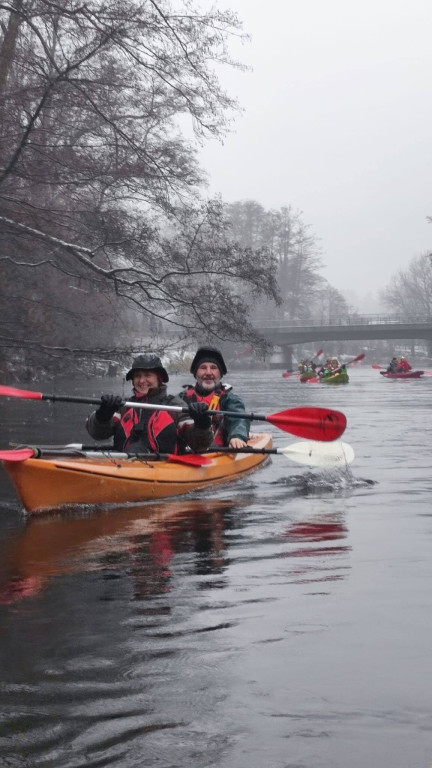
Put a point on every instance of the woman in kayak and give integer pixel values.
(403, 366)
(143, 430)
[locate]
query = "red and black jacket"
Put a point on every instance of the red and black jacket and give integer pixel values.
(140, 430)
(145, 431)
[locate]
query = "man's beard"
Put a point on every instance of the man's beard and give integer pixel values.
(204, 387)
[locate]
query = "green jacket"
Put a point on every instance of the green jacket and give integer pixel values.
(230, 425)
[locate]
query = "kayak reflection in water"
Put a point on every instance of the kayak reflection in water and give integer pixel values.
(316, 545)
(144, 540)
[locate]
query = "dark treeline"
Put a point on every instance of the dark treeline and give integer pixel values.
(105, 238)
(101, 218)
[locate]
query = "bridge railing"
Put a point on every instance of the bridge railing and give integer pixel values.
(281, 322)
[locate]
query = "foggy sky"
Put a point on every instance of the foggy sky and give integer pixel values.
(337, 123)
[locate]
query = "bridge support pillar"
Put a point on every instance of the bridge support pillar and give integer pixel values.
(287, 357)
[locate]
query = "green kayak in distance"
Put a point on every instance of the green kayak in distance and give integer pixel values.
(336, 378)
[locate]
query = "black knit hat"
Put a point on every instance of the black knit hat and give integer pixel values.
(148, 361)
(208, 355)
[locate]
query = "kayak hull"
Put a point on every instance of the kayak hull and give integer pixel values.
(401, 375)
(54, 483)
(336, 378)
(305, 377)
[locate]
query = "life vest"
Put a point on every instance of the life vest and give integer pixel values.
(404, 366)
(213, 402)
(134, 421)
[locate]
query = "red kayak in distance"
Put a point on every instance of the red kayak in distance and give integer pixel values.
(402, 374)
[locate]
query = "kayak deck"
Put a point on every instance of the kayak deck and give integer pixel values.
(49, 484)
(336, 378)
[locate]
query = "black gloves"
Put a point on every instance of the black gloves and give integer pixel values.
(109, 405)
(198, 411)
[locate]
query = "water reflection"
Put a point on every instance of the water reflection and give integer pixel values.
(317, 540)
(141, 539)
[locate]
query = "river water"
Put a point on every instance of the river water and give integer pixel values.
(284, 620)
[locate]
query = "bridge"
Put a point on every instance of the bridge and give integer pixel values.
(286, 334)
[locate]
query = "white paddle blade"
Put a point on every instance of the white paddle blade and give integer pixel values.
(318, 454)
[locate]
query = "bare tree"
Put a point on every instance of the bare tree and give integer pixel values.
(409, 292)
(329, 306)
(191, 275)
(99, 182)
(99, 88)
(294, 247)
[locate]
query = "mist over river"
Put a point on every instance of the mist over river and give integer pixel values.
(280, 621)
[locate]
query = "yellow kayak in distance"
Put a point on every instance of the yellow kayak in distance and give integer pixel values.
(46, 484)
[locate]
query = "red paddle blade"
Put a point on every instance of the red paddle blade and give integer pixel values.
(13, 392)
(191, 460)
(312, 423)
(358, 358)
(376, 366)
(21, 454)
(317, 354)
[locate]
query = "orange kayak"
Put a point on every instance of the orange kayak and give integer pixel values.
(44, 484)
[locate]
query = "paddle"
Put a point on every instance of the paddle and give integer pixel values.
(350, 362)
(22, 454)
(312, 453)
(311, 423)
(286, 374)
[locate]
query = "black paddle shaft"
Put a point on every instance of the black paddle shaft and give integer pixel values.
(153, 406)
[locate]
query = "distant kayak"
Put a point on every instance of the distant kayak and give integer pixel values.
(402, 374)
(308, 376)
(336, 378)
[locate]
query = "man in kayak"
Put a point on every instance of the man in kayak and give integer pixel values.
(403, 366)
(393, 365)
(209, 393)
(329, 366)
(143, 430)
(324, 367)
